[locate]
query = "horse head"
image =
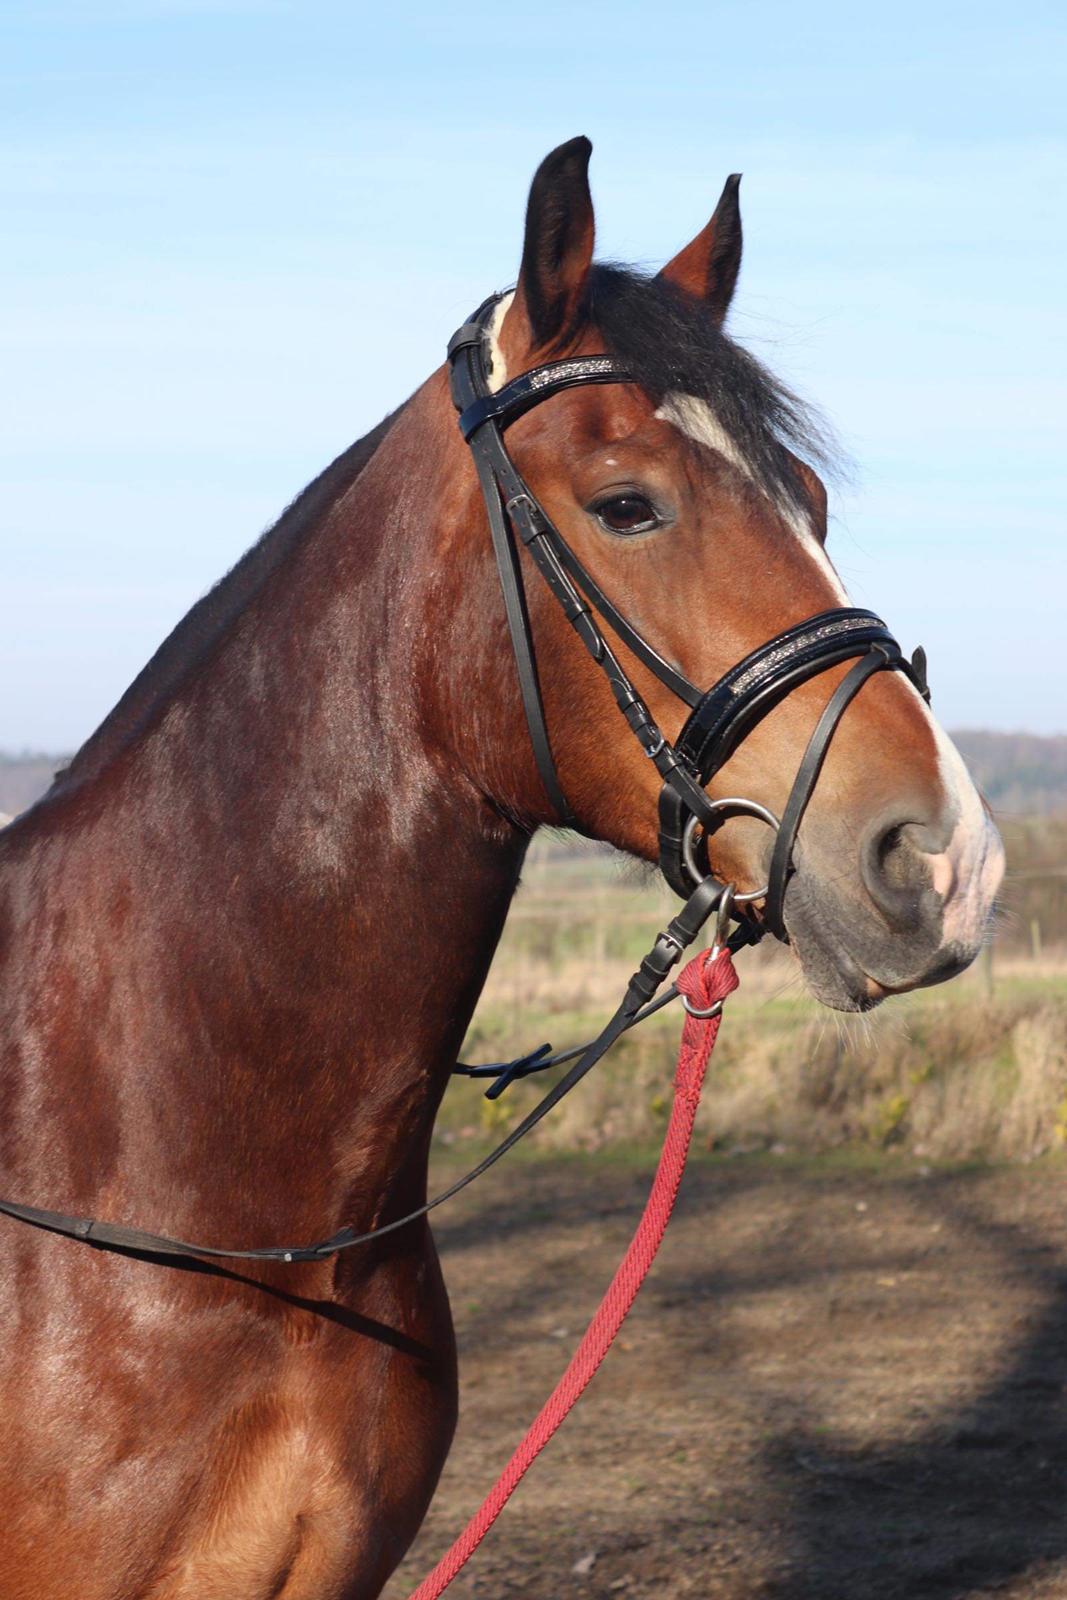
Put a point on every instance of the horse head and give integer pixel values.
(686, 486)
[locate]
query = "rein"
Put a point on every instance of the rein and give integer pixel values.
(717, 722)
(638, 1003)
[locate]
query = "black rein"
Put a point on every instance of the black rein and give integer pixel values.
(718, 720)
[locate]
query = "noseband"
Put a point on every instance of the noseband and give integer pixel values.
(720, 718)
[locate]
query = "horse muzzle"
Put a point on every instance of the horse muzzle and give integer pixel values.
(912, 909)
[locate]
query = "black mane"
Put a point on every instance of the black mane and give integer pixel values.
(674, 346)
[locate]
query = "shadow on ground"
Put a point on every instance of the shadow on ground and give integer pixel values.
(976, 1502)
(839, 1384)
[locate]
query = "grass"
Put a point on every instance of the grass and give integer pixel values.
(974, 1070)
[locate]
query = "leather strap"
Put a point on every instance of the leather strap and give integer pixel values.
(745, 694)
(511, 585)
(509, 505)
(529, 388)
(667, 674)
(877, 660)
(637, 1003)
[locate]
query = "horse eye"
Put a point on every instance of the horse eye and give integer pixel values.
(627, 513)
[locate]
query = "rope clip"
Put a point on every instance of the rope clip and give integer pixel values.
(723, 912)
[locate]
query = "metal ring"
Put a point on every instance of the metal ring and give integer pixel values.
(713, 1010)
(739, 806)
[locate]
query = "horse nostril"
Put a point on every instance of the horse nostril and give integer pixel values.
(896, 871)
(893, 855)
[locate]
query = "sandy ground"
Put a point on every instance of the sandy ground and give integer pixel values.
(841, 1381)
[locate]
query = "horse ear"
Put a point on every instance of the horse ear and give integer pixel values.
(558, 248)
(709, 264)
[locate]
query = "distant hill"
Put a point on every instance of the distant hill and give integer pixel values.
(1021, 774)
(24, 778)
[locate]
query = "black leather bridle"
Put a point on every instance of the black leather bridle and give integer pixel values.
(720, 718)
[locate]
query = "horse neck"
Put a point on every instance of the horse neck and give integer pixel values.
(311, 889)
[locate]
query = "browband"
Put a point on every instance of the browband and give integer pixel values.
(512, 399)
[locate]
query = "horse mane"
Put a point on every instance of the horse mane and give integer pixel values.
(674, 345)
(209, 620)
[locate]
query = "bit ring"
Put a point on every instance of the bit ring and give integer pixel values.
(733, 805)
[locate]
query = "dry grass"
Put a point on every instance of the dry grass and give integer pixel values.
(976, 1069)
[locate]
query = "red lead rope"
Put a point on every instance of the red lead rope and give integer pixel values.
(703, 981)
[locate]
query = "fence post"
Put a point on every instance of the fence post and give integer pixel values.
(1035, 938)
(600, 931)
(985, 970)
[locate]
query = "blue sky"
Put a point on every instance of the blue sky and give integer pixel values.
(235, 234)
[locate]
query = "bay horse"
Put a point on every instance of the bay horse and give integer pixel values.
(242, 936)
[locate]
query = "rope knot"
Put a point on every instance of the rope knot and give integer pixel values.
(706, 979)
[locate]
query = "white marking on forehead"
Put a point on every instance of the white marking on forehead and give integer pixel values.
(696, 419)
(496, 365)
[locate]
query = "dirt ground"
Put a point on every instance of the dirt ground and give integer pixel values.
(841, 1382)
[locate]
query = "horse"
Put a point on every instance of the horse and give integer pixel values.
(243, 934)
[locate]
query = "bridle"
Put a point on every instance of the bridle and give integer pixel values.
(718, 721)
(720, 718)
